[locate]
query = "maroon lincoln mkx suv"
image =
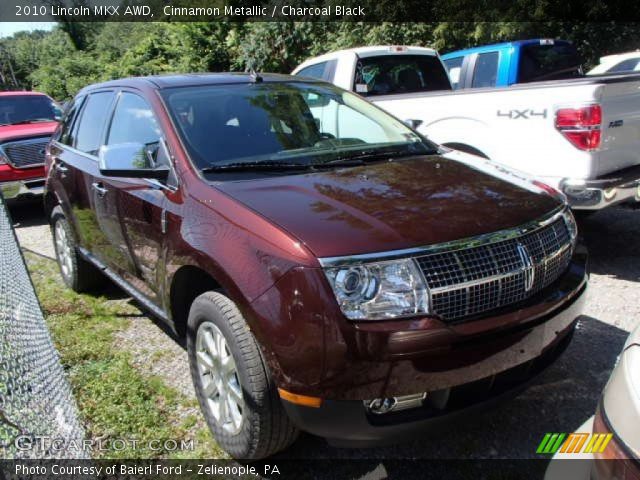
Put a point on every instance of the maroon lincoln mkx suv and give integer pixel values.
(332, 270)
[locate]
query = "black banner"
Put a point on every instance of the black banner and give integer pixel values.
(317, 10)
(278, 468)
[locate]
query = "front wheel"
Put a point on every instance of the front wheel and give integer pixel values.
(237, 396)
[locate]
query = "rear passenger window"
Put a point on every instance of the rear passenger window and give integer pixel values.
(89, 133)
(71, 112)
(454, 65)
(485, 73)
(133, 122)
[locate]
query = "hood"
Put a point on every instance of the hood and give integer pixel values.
(28, 130)
(392, 205)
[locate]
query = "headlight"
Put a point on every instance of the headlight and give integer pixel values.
(381, 290)
(572, 226)
(3, 159)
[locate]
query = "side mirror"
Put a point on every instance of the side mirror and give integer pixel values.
(413, 123)
(132, 160)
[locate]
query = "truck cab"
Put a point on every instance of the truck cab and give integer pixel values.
(27, 121)
(510, 63)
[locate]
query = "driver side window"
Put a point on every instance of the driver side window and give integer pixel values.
(134, 122)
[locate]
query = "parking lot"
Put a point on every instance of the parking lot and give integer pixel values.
(559, 400)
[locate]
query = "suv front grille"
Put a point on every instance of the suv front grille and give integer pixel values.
(469, 281)
(25, 153)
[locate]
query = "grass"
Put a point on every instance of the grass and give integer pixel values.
(115, 400)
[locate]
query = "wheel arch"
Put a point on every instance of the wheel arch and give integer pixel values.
(463, 147)
(187, 283)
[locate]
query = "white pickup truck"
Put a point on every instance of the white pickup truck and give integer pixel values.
(581, 136)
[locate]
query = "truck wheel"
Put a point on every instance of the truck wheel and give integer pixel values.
(78, 274)
(236, 393)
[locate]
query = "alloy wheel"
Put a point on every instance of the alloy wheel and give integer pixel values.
(63, 249)
(219, 378)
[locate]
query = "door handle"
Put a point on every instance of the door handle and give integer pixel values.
(99, 188)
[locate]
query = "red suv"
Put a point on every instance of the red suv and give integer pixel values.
(332, 270)
(27, 120)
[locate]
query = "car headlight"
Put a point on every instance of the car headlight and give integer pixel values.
(572, 226)
(380, 290)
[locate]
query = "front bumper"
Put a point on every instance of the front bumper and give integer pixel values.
(612, 189)
(350, 423)
(22, 188)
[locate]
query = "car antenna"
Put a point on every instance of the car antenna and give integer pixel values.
(255, 76)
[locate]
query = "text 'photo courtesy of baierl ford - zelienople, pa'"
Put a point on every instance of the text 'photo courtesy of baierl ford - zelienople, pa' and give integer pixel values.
(319, 239)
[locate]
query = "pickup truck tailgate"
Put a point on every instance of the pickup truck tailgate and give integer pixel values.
(620, 146)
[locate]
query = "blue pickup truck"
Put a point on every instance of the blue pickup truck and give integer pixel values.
(504, 64)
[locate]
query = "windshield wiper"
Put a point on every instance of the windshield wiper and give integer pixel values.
(365, 155)
(264, 165)
(271, 165)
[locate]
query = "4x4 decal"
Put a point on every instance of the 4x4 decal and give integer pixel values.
(526, 114)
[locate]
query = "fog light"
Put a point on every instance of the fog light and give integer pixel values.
(379, 406)
(610, 193)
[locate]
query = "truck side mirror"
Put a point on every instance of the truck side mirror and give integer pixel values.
(413, 123)
(133, 160)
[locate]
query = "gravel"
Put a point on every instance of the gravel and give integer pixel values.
(559, 400)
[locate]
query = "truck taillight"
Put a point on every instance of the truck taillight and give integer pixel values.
(581, 126)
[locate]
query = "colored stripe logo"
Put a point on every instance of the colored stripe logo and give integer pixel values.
(574, 443)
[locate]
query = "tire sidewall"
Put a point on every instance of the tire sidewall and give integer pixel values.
(237, 444)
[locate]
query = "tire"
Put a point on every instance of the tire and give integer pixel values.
(78, 274)
(256, 426)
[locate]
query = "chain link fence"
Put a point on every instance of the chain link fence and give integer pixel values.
(38, 415)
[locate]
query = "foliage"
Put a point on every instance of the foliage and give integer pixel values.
(72, 55)
(115, 399)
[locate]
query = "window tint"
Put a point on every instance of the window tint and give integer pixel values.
(314, 71)
(133, 121)
(454, 65)
(88, 135)
(554, 61)
(64, 131)
(485, 73)
(626, 65)
(389, 74)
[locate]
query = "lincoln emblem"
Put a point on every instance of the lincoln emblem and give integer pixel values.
(528, 268)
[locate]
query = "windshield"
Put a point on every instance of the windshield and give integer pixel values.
(294, 123)
(28, 108)
(549, 62)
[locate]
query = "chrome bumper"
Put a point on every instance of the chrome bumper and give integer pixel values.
(598, 194)
(22, 188)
